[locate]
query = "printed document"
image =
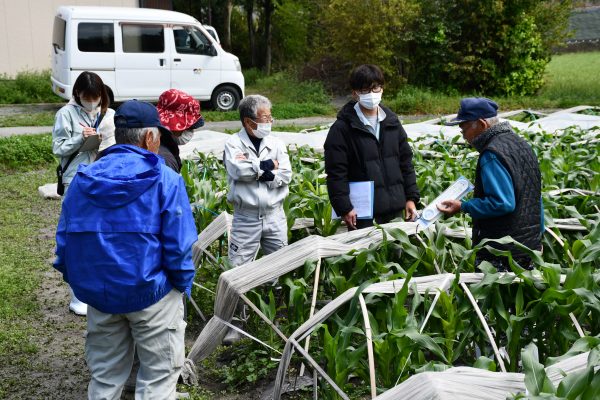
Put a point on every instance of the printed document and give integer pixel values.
(361, 197)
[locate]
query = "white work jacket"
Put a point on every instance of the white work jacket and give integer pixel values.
(246, 192)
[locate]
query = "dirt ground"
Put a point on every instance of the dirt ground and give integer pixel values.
(58, 369)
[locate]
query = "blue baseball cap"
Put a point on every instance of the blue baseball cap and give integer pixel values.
(138, 114)
(474, 108)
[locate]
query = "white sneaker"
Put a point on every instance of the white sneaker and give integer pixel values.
(77, 306)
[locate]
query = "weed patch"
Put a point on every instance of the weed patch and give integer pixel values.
(25, 152)
(28, 87)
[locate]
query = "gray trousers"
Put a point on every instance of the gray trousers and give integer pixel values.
(249, 230)
(157, 332)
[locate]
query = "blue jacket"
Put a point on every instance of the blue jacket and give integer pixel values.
(125, 233)
(499, 191)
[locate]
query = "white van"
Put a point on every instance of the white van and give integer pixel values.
(139, 53)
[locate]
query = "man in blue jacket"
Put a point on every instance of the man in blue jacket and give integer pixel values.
(507, 196)
(124, 244)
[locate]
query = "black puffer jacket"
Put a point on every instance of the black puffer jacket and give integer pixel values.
(353, 154)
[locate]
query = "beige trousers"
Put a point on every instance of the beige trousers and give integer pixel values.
(157, 332)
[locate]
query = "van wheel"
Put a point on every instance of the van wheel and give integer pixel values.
(225, 98)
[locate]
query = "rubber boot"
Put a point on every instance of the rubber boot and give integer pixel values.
(77, 306)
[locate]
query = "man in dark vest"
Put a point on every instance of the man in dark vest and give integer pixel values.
(507, 197)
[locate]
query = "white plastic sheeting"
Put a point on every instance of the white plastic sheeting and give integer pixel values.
(465, 383)
(214, 142)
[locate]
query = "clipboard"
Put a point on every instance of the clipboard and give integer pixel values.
(91, 143)
(362, 195)
(457, 191)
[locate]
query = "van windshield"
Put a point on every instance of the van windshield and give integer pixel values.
(190, 40)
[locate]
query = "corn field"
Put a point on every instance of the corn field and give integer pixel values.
(535, 318)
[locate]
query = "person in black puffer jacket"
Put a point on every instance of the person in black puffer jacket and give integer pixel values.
(367, 143)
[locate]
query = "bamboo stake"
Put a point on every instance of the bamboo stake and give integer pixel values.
(263, 316)
(313, 304)
(577, 326)
(214, 260)
(434, 302)
(191, 299)
(318, 368)
(559, 240)
(485, 326)
(315, 392)
(441, 288)
(369, 335)
(203, 287)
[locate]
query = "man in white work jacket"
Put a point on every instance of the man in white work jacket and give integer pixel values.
(258, 173)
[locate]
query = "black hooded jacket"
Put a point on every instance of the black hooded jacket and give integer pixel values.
(352, 154)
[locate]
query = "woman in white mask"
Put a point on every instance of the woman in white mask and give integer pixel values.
(367, 143)
(85, 116)
(180, 113)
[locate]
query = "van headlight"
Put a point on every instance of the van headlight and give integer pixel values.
(237, 64)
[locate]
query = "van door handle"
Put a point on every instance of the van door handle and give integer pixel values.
(177, 59)
(161, 62)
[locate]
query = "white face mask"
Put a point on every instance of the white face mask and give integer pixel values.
(369, 100)
(262, 130)
(89, 106)
(184, 138)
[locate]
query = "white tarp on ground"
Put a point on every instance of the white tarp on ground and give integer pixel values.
(205, 141)
(464, 383)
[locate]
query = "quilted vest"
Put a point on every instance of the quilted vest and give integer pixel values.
(523, 224)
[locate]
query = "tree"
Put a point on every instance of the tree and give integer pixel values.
(485, 46)
(227, 30)
(269, 7)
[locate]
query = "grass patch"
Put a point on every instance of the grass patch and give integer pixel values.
(23, 255)
(28, 87)
(24, 152)
(568, 80)
(34, 119)
(292, 98)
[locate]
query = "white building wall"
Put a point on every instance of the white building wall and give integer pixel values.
(26, 31)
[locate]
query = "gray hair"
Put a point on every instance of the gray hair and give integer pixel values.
(250, 104)
(134, 135)
(492, 121)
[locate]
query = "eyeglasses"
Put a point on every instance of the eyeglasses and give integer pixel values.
(263, 119)
(374, 89)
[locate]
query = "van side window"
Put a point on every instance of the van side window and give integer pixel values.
(190, 40)
(143, 38)
(96, 37)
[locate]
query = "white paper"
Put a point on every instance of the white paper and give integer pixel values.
(459, 189)
(361, 197)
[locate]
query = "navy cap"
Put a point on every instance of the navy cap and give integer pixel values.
(138, 114)
(474, 108)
